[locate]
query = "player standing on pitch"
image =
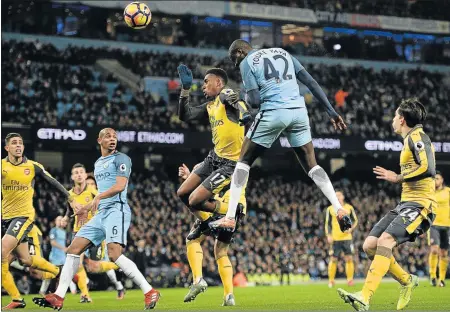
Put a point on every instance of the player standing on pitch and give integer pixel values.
(411, 218)
(111, 222)
(340, 241)
(439, 233)
(221, 246)
(270, 80)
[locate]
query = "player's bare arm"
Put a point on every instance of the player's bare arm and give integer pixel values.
(387, 175)
(119, 186)
(50, 179)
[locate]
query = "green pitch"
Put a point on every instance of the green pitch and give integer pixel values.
(282, 298)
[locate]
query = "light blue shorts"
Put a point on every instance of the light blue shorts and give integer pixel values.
(110, 224)
(57, 260)
(293, 123)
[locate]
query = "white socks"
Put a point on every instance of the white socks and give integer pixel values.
(69, 270)
(113, 278)
(238, 181)
(73, 288)
(130, 269)
(320, 177)
(44, 286)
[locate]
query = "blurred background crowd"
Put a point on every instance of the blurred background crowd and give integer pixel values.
(44, 85)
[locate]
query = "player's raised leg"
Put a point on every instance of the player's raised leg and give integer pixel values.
(249, 153)
(307, 159)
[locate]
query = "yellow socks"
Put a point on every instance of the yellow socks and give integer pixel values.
(47, 275)
(105, 266)
(82, 282)
(349, 270)
(223, 207)
(195, 258)
(43, 265)
(433, 262)
(8, 282)
(443, 264)
(332, 267)
(378, 269)
(398, 273)
(202, 215)
(226, 274)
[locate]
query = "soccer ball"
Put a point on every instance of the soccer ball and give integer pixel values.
(137, 15)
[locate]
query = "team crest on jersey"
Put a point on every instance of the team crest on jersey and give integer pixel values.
(27, 171)
(106, 164)
(419, 146)
(87, 199)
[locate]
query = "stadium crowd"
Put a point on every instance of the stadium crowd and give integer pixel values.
(62, 92)
(285, 219)
(431, 9)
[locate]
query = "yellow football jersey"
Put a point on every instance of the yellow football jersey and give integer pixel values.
(18, 188)
(227, 134)
(83, 198)
(332, 225)
(418, 168)
(443, 207)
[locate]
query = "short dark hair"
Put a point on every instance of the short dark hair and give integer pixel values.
(239, 44)
(218, 72)
(78, 165)
(412, 111)
(90, 176)
(11, 135)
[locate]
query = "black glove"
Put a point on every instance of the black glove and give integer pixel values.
(246, 119)
(345, 223)
(229, 97)
(185, 76)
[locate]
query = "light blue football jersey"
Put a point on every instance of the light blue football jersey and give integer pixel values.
(106, 170)
(58, 256)
(273, 72)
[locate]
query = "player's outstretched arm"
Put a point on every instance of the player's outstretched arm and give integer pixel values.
(40, 171)
(186, 112)
(304, 77)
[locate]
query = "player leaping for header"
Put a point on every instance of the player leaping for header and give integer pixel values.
(270, 80)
